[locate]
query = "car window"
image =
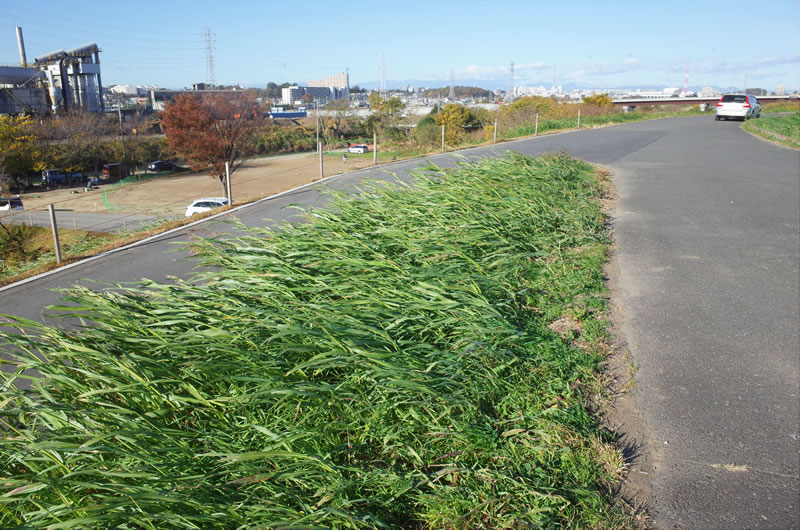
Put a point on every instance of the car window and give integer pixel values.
(733, 98)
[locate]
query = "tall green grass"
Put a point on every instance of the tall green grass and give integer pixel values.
(387, 364)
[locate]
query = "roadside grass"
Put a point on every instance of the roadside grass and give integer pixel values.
(397, 361)
(781, 129)
(782, 106)
(37, 250)
(553, 125)
(78, 245)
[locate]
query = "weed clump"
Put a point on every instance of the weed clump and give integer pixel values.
(387, 364)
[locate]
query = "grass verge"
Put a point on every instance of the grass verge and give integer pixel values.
(404, 359)
(784, 130)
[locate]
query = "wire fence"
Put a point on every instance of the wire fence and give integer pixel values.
(90, 219)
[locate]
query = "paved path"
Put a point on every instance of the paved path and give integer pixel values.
(708, 229)
(707, 226)
(94, 222)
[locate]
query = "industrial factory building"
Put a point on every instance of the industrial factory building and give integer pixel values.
(58, 80)
(324, 90)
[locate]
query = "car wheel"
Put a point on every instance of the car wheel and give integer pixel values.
(716, 118)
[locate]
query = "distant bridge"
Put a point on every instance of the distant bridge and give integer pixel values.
(635, 102)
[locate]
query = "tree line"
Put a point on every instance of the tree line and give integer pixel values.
(208, 130)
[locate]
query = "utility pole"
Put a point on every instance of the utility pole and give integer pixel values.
(511, 83)
(442, 138)
(375, 148)
(321, 169)
(53, 225)
(494, 140)
(122, 135)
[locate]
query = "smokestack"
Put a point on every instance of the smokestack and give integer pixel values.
(23, 61)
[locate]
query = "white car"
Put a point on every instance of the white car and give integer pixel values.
(358, 149)
(741, 106)
(205, 205)
(10, 203)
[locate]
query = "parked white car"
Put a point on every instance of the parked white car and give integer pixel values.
(358, 149)
(206, 204)
(10, 203)
(740, 106)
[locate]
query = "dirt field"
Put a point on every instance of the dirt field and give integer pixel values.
(170, 195)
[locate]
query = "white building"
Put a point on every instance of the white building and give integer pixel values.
(125, 90)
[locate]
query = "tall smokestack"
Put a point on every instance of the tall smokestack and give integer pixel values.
(23, 61)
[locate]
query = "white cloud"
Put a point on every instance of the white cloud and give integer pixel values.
(492, 72)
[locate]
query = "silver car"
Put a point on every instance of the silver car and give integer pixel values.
(739, 106)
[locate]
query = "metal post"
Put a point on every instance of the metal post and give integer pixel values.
(442, 138)
(321, 169)
(494, 140)
(579, 118)
(53, 225)
(375, 148)
(536, 128)
(74, 223)
(228, 182)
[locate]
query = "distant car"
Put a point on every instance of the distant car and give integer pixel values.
(741, 106)
(111, 171)
(162, 165)
(358, 148)
(75, 177)
(204, 205)
(10, 203)
(54, 177)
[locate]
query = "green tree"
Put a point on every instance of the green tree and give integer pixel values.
(15, 148)
(384, 112)
(454, 117)
(427, 131)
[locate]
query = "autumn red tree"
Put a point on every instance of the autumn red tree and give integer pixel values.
(212, 129)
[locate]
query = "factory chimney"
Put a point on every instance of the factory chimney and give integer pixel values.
(23, 61)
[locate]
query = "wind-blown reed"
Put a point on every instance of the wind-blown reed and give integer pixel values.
(387, 364)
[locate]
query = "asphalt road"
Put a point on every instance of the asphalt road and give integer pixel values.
(708, 230)
(95, 222)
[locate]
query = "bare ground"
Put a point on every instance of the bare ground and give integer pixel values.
(171, 194)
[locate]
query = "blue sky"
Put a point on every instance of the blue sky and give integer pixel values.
(591, 44)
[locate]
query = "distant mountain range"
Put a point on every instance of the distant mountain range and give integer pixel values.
(503, 85)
